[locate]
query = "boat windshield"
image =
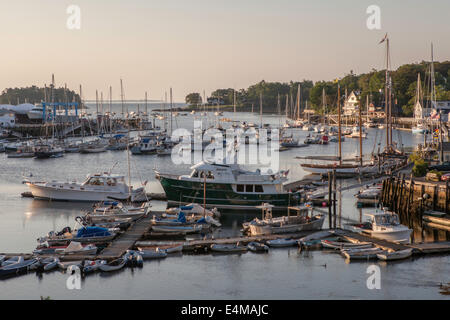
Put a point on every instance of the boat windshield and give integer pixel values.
(387, 220)
(95, 181)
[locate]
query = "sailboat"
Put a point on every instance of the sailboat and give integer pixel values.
(340, 167)
(391, 156)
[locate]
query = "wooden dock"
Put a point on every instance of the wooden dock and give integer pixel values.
(126, 240)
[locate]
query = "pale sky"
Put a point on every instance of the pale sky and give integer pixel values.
(196, 45)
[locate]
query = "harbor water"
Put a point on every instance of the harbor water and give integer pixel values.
(280, 274)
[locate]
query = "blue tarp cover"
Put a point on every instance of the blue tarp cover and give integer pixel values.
(181, 217)
(92, 232)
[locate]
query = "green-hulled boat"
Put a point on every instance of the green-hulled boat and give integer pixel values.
(227, 186)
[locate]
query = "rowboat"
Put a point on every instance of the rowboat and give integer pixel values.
(396, 255)
(257, 247)
(362, 254)
(113, 265)
(279, 243)
(187, 229)
(341, 245)
(152, 254)
(170, 249)
(228, 248)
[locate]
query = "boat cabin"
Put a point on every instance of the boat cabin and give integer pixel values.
(384, 218)
(104, 180)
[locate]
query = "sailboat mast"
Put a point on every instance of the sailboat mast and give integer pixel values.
(386, 97)
(323, 104)
(121, 95)
(360, 137)
(170, 111)
(287, 106)
(234, 101)
(260, 109)
(96, 113)
(146, 105)
(339, 124)
(110, 109)
(298, 102)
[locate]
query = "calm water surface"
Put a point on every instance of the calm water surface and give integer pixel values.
(281, 274)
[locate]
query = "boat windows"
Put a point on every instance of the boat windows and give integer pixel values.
(240, 188)
(258, 188)
(194, 174)
(111, 182)
(248, 188)
(95, 181)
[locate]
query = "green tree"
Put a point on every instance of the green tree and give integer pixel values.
(193, 98)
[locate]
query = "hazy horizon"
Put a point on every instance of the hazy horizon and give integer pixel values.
(199, 45)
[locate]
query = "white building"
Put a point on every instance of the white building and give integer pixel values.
(436, 108)
(351, 105)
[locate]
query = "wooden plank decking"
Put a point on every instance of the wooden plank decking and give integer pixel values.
(126, 240)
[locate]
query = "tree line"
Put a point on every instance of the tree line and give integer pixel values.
(322, 96)
(36, 94)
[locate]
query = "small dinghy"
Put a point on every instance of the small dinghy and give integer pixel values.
(361, 254)
(396, 255)
(257, 247)
(17, 268)
(134, 259)
(228, 248)
(46, 264)
(114, 265)
(280, 243)
(66, 264)
(92, 266)
(13, 260)
(171, 249)
(152, 254)
(337, 245)
(51, 264)
(187, 229)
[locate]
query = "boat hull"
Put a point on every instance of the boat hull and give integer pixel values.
(221, 196)
(62, 194)
(259, 230)
(402, 236)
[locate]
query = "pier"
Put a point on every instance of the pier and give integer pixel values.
(422, 205)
